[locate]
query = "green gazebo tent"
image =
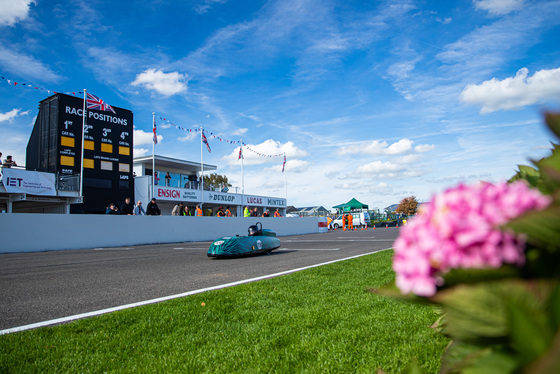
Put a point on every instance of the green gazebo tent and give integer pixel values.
(352, 204)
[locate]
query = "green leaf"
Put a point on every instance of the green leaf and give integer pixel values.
(471, 276)
(553, 122)
(473, 359)
(554, 308)
(549, 168)
(549, 362)
(473, 313)
(541, 227)
(530, 334)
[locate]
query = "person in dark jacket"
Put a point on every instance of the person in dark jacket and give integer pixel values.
(112, 209)
(127, 208)
(152, 209)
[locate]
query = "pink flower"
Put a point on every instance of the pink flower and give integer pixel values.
(459, 229)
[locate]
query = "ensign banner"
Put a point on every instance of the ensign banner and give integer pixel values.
(176, 194)
(31, 182)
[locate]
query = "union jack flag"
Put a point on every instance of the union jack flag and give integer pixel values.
(284, 164)
(205, 141)
(155, 135)
(93, 102)
(240, 153)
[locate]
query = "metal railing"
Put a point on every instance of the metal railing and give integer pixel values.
(66, 182)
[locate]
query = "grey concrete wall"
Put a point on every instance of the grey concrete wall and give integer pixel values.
(50, 232)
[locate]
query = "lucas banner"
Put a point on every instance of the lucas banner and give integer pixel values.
(31, 182)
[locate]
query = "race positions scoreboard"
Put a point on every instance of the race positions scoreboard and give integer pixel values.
(56, 145)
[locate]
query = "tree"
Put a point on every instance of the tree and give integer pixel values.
(217, 180)
(408, 206)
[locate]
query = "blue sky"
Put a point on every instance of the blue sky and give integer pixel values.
(377, 100)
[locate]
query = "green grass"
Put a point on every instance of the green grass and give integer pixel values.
(321, 320)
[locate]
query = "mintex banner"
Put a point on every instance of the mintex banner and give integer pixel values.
(31, 182)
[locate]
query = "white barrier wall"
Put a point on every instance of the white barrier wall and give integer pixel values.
(51, 232)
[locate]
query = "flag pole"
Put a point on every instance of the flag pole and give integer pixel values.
(153, 154)
(84, 121)
(286, 180)
(201, 169)
(242, 178)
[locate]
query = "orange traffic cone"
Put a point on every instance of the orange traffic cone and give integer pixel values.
(386, 225)
(374, 227)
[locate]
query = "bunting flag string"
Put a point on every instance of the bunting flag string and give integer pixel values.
(196, 130)
(261, 154)
(211, 134)
(11, 82)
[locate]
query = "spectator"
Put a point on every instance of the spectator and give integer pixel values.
(8, 162)
(152, 209)
(277, 213)
(156, 179)
(178, 209)
(112, 209)
(167, 179)
(254, 213)
(127, 208)
(266, 213)
(220, 212)
(187, 211)
(139, 209)
(228, 212)
(198, 211)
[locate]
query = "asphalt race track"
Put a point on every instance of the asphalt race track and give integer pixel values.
(43, 286)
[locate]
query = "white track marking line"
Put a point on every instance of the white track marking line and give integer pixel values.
(191, 248)
(166, 298)
(308, 249)
(113, 249)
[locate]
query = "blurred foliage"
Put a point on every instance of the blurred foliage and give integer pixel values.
(507, 320)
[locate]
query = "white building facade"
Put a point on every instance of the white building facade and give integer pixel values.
(183, 184)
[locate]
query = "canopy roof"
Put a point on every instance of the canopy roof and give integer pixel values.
(352, 204)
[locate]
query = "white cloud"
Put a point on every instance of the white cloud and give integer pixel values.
(205, 5)
(23, 65)
(12, 11)
(166, 84)
(377, 167)
(240, 131)
(258, 154)
(139, 152)
(388, 170)
(8, 116)
(253, 117)
(400, 147)
(445, 21)
(144, 138)
(514, 92)
(294, 166)
(499, 7)
(188, 136)
(424, 148)
(376, 147)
